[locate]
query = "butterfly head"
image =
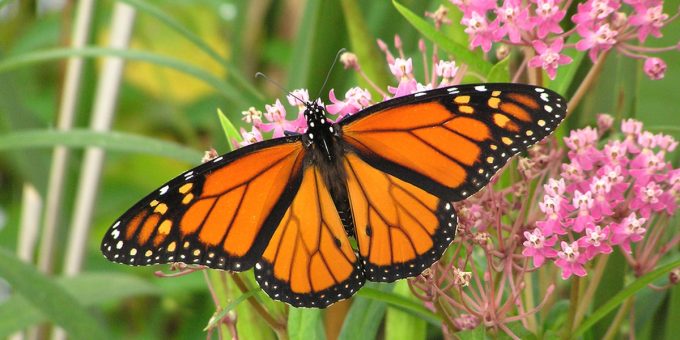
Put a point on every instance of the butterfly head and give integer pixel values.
(319, 131)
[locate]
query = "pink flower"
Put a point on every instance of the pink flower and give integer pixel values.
(538, 247)
(582, 143)
(570, 260)
(604, 122)
(594, 10)
(555, 187)
(252, 116)
(548, 17)
(595, 242)
(549, 57)
(596, 41)
(600, 187)
(647, 199)
(356, 99)
(402, 68)
(447, 70)
(629, 230)
(480, 30)
(655, 68)
(583, 202)
(554, 209)
(298, 98)
(276, 117)
(250, 137)
(649, 19)
(514, 19)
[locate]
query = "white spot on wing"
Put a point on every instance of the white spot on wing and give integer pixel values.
(163, 190)
(480, 88)
(116, 225)
(115, 233)
(538, 89)
(217, 159)
(544, 97)
(548, 108)
(419, 94)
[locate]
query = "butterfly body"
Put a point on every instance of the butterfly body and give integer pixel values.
(385, 176)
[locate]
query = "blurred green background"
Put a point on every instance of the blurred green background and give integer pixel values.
(214, 47)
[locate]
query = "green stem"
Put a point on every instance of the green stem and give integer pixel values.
(616, 323)
(278, 326)
(586, 83)
(574, 297)
(594, 282)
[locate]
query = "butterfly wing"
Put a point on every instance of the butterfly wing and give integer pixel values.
(220, 214)
(400, 228)
(450, 141)
(309, 261)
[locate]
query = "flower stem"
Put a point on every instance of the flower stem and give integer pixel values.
(574, 296)
(594, 282)
(586, 83)
(616, 323)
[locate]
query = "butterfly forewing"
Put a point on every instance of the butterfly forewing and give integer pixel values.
(451, 141)
(208, 215)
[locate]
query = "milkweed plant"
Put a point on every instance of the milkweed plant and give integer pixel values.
(547, 225)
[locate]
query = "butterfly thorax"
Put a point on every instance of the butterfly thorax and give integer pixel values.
(320, 135)
(326, 150)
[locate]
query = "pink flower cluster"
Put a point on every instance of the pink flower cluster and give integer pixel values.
(600, 24)
(605, 196)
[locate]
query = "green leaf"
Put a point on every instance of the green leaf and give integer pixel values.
(229, 129)
(114, 141)
(478, 333)
(364, 46)
(316, 44)
(225, 88)
(365, 315)
(401, 303)
(626, 293)
(672, 328)
(404, 325)
(254, 96)
(217, 318)
(51, 299)
(460, 53)
(305, 324)
(500, 72)
(18, 313)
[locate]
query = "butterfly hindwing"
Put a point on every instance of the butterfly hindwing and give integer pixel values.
(400, 228)
(309, 261)
(450, 141)
(199, 217)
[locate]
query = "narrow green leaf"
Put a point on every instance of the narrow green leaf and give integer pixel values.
(17, 313)
(364, 46)
(365, 315)
(316, 44)
(672, 328)
(402, 303)
(53, 301)
(229, 130)
(226, 89)
(254, 96)
(627, 292)
(460, 53)
(400, 324)
(305, 324)
(217, 318)
(114, 141)
(500, 72)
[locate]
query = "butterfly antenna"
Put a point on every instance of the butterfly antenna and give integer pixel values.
(328, 75)
(262, 75)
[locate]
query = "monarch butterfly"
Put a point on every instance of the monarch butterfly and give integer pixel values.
(385, 176)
